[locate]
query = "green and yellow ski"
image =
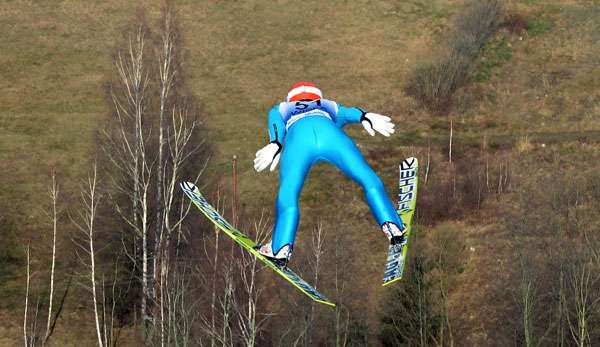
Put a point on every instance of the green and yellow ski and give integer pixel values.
(407, 201)
(246, 243)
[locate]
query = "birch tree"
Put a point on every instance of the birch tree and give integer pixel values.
(153, 143)
(26, 311)
(585, 299)
(341, 269)
(247, 313)
(126, 147)
(528, 298)
(317, 243)
(54, 198)
(166, 75)
(86, 252)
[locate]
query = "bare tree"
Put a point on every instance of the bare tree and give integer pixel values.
(85, 242)
(583, 283)
(528, 301)
(166, 77)
(53, 314)
(536, 292)
(167, 73)
(180, 135)
(33, 339)
(214, 276)
(181, 309)
(341, 269)
(108, 325)
(26, 299)
(218, 277)
(248, 320)
(54, 197)
(226, 305)
(127, 150)
(410, 317)
(422, 314)
(446, 254)
(150, 146)
(318, 241)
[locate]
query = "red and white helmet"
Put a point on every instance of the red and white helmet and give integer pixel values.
(304, 91)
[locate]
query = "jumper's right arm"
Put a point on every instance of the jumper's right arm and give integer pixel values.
(276, 126)
(270, 153)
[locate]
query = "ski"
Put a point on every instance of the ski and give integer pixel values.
(246, 243)
(407, 200)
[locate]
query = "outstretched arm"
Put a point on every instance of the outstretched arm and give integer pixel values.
(276, 126)
(270, 153)
(370, 121)
(348, 115)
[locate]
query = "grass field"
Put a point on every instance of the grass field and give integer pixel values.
(240, 59)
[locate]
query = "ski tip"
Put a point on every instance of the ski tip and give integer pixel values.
(328, 303)
(409, 163)
(385, 284)
(189, 186)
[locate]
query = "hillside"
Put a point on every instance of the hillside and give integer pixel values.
(529, 112)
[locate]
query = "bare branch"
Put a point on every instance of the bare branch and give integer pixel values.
(54, 197)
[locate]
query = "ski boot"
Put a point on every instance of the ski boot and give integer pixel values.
(281, 258)
(393, 233)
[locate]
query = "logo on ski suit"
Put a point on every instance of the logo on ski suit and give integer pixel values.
(407, 186)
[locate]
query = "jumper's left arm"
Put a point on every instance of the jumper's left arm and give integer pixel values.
(349, 115)
(370, 121)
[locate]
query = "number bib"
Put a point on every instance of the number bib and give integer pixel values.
(291, 112)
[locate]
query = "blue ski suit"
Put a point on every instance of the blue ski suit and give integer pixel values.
(312, 132)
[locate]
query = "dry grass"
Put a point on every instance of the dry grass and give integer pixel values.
(550, 83)
(55, 57)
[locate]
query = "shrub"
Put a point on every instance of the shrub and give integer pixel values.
(515, 24)
(433, 84)
(436, 200)
(474, 27)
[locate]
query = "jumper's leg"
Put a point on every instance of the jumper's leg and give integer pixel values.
(347, 157)
(292, 173)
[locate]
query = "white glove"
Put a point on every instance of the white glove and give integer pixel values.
(269, 154)
(375, 122)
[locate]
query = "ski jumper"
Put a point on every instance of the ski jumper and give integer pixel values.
(312, 132)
